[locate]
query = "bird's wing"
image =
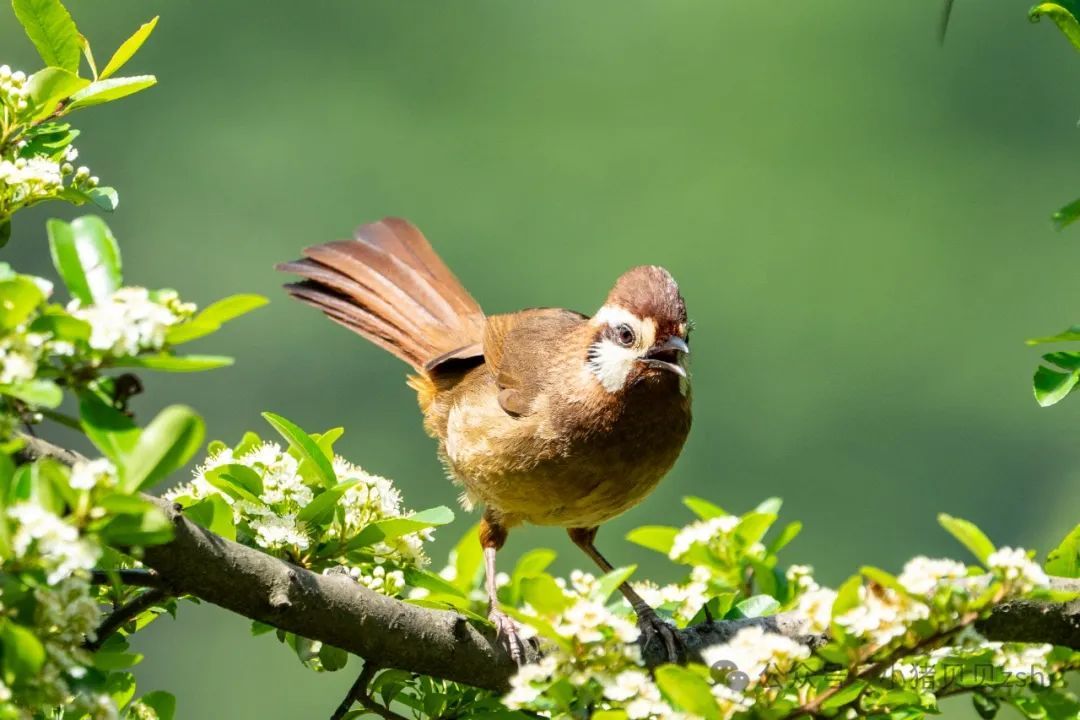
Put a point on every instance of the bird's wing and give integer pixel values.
(518, 348)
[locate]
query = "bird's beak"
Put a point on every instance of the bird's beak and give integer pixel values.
(666, 355)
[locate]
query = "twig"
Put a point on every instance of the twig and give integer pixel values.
(358, 693)
(134, 577)
(35, 448)
(122, 615)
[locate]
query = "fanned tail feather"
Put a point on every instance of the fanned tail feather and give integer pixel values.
(390, 286)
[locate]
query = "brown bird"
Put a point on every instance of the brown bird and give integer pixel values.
(544, 416)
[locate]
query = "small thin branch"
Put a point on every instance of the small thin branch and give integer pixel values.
(359, 693)
(35, 448)
(135, 577)
(123, 614)
(60, 418)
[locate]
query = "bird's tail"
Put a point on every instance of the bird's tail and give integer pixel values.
(389, 286)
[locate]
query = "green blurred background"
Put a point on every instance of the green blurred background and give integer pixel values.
(858, 219)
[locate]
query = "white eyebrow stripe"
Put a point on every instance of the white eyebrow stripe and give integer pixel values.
(614, 315)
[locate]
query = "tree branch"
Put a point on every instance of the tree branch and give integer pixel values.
(394, 634)
(123, 614)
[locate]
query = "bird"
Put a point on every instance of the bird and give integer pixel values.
(544, 416)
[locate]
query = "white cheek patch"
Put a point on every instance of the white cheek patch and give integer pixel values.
(610, 362)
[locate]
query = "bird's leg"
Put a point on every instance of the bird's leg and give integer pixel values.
(492, 537)
(652, 626)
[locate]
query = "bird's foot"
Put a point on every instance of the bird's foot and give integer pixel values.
(508, 635)
(655, 629)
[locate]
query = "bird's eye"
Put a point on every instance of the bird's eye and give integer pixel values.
(625, 335)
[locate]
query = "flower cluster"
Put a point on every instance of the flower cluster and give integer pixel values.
(31, 172)
(131, 321)
(1016, 570)
(590, 646)
(268, 491)
(882, 615)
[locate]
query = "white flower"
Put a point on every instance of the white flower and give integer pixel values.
(279, 531)
(755, 652)
(922, 575)
(20, 353)
(30, 179)
(816, 606)
(61, 549)
(89, 474)
(128, 322)
(702, 532)
(1017, 570)
(280, 476)
(802, 578)
(67, 612)
(1023, 662)
(882, 615)
(626, 685)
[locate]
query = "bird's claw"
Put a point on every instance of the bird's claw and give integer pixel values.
(655, 629)
(507, 633)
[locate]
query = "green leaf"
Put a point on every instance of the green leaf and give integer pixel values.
(431, 582)
(111, 431)
(88, 53)
(214, 514)
(789, 533)
(531, 564)
(161, 702)
(609, 583)
(128, 49)
(753, 526)
(174, 363)
(654, 537)
(332, 658)
(51, 86)
(1063, 359)
(845, 695)
(167, 443)
(104, 91)
(60, 325)
(1070, 335)
(986, 706)
(24, 655)
(544, 594)
(105, 198)
(87, 257)
(41, 393)
(757, 606)
(1051, 386)
(148, 528)
(468, 557)
(307, 447)
(1071, 29)
(50, 27)
(5, 231)
(19, 296)
(770, 506)
(969, 536)
(232, 481)
(703, 508)
(320, 510)
(213, 317)
(1064, 560)
(383, 530)
(687, 691)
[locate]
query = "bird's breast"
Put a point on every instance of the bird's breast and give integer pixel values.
(578, 459)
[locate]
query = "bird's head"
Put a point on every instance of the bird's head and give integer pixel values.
(641, 331)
